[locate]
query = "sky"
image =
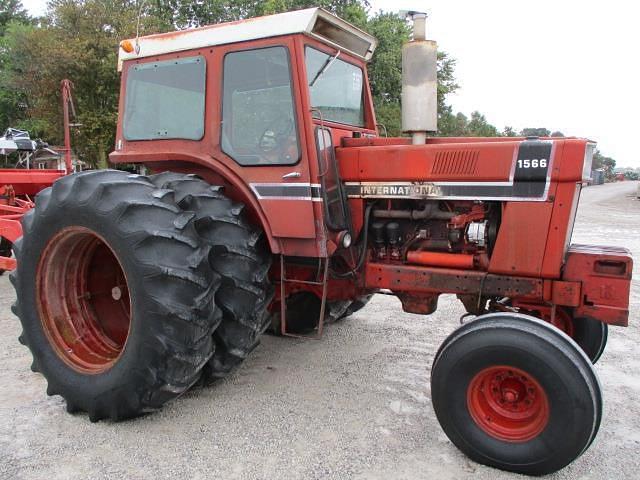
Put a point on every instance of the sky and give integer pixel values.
(567, 65)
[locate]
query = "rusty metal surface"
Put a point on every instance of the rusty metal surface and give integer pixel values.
(565, 293)
(424, 304)
(405, 278)
(605, 274)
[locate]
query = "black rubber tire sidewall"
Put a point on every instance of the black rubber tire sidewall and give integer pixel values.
(591, 335)
(572, 413)
(133, 355)
(165, 351)
(239, 256)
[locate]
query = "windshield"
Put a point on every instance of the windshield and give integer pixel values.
(335, 87)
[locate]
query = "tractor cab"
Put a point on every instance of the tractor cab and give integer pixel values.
(256, 105)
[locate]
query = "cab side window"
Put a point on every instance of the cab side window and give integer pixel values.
(165, 100)
(258, 117)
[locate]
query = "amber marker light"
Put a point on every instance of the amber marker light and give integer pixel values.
(127, 46)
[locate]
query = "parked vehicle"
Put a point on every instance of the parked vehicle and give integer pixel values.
(272, 198)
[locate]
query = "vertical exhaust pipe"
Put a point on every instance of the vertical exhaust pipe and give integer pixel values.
(419, 82)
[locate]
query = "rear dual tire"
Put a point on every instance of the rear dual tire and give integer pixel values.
(515, 393)
(303, 312)
(128, 296)
(239, 256)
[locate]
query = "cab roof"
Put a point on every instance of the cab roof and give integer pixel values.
(313, 22)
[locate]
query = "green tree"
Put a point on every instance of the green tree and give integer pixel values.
(535, 132)
(385, 68)
(509, 132)
(12, 11)
(77, 40)
(184, 14)
(479, 127)
(452, 125)
(608, 164)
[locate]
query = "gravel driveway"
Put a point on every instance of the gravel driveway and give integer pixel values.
(354, 405)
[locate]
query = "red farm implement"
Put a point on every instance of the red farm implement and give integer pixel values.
(18, 186)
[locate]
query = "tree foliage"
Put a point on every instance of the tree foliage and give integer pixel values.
(608, 164)
(11, 12)
(535, 132)
(78, 39)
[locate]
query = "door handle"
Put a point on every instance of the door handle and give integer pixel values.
(291, 175)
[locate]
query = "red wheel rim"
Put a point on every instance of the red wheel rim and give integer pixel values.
(508, 404)
(83, 300)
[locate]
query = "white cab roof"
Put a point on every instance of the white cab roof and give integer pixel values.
(314, 22)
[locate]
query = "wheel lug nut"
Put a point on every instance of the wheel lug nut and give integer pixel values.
(116, 293)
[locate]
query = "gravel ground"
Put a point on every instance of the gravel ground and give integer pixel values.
(354, 405)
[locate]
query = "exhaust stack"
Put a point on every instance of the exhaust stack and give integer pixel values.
(419, 82)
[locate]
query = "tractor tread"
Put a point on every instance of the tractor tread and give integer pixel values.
(174, 287)
(239, 256)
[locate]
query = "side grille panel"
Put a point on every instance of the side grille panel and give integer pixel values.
(455, 162)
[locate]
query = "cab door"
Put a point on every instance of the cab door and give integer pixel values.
(337, 96)
(261, 134)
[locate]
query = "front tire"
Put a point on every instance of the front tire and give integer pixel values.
(515, 393)
(114, 294)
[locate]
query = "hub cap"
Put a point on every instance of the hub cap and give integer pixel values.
(508, 404)
(83, 300)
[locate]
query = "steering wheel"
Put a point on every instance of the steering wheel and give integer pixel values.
(276, 134)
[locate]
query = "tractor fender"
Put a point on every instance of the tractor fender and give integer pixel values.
(211, 170)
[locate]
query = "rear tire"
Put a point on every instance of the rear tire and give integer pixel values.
(94, 241)
(303, 312)
(515, 393)
(240, 256)
(356, 305)
(591, 335)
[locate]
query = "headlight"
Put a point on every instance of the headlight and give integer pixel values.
(588, 161)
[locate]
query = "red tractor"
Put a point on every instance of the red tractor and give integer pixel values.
(274, 201)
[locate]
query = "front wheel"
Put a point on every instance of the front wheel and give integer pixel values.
(513, 392)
